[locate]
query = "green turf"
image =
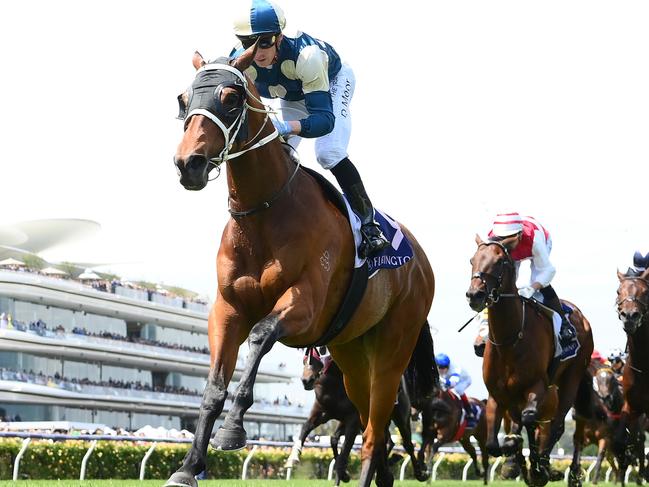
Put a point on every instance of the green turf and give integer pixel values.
(253, 483)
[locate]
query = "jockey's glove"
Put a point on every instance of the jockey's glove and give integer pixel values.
(282, 127)
(527, 291)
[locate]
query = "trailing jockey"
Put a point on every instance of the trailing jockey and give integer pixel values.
(458, 379)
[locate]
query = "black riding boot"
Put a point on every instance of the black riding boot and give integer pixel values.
(551, 300)
(351, 184)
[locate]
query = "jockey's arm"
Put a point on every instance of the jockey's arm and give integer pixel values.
(311, 69)
(545, 271)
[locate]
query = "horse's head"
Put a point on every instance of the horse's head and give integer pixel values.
(607, 387)
(492, 271)
(313, 366)
(632, 300)
(215, 110)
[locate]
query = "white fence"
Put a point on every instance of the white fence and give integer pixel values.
(27, 438)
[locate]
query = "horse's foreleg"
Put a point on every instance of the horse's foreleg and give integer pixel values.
(601, 451)
(574, 477)
(224, 333)
(534, 398)
(465, 441)
(401, 418)
(352, 429)
(231, 435)
(335, 439)
(315, 419)
(494, 417)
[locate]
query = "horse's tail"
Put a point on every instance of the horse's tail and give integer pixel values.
(422, 376)
(584, 404)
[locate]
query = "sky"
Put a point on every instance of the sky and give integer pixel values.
(462, 110)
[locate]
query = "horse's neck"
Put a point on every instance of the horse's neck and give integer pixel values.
(505, 319)
(638, 343)
(257, 176)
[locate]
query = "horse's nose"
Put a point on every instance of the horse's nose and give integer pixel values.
(308, 384)
(193, 171)
(476, 299)
(632, 316)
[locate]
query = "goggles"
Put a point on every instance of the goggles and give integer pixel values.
(265, 41)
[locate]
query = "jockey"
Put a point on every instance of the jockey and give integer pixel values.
(456, 378)
(640, 263)
(616, 360)
(533, 242)
(315, 89)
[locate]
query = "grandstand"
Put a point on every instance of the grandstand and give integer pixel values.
(110, 352)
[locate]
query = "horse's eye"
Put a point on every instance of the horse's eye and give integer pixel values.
(231, 99)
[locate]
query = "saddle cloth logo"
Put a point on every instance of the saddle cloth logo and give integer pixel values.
(394, 255)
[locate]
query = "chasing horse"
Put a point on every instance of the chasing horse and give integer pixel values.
(284, 265)
(633, 311)
(450, 424)
(520, 369)
(324, 377)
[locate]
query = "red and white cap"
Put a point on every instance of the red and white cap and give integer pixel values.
(506, 224)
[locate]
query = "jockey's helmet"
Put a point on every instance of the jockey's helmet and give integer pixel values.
(615, 355)
(442, 360)
(507, 224)
(259, 17)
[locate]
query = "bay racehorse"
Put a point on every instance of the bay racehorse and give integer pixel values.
(633, 310)
(324, 377)
(519, 369)
(606, 401)
(449, 426)
(284, 264)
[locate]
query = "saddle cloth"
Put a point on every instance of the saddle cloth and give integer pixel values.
(394, 255)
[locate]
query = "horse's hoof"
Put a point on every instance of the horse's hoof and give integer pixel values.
(539, 476)
(510, 469)
(229, 440)
(557, 475)
(528, 417)
(181, 479)
(384, 480)
(421, 475)
(574, 479)
(345, 477)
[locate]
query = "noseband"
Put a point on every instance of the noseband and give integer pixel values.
(494, 294)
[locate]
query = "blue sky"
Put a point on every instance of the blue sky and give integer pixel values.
(462, 110)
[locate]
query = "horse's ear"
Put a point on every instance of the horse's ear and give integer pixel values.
(645, 275)
(478, 240)
(620, 275)
(197, 60)
(244, 61)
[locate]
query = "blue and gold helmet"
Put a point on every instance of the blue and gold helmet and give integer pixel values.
(259, 17)
(442, 360)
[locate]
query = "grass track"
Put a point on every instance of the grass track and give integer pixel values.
(254, 483)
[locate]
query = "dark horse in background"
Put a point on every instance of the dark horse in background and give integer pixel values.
(633, 310)
(323, 376)
(598, 428)
(284, 265)
(518, 368)
(448, 426)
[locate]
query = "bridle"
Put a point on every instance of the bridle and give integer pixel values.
(643, 305)
(494, 294)
(233, 131)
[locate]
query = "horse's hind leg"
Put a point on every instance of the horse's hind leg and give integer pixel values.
(231, 435)
(401, 418)
(465, 441)
(574, 477)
